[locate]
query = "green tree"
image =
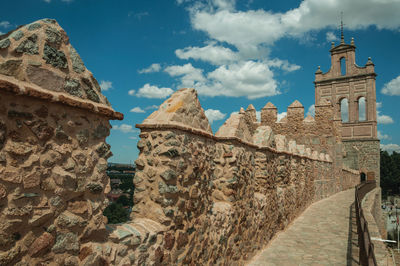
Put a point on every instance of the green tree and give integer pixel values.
(390, 173)
(124, 201)
(116, 213)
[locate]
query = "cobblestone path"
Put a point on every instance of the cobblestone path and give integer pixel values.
(324, 234)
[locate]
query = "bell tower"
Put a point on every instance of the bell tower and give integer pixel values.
(351, 89)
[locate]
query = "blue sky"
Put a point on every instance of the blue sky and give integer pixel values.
(233, 52)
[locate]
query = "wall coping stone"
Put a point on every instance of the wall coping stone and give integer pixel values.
(12, 85)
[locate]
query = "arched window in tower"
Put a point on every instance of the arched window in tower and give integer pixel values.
(344, 110)
(362, 107)
(343, 66)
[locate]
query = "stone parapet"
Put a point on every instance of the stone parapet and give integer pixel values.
(371, 206)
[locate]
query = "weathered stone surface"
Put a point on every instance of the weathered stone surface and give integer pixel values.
(17, 35)
(41, 218)
(77, 63)
(3, 191)
(54, 57)
(5, 43)
(41, 244)
(66, 242)
(95, 188)
(10, 67)
(101, 132)
(78, 207)
(29, 45)
(73, 87)
(34, 26)
(64, 178)
(69, 220)
(45, 78)
(53, 37)
(90, 93)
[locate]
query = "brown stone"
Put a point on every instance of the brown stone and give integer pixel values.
(3, 191)
(41, 244)
(182, 240)
(32, 180)
(85, 251)
(78, 207)
(45, 78)
(169, 241)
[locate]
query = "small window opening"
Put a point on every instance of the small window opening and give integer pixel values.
(344, 110)
(362, 115)
(343, 66)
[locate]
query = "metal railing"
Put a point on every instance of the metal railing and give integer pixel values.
(366, 247)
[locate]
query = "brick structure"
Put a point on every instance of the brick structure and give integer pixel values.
(346, 81)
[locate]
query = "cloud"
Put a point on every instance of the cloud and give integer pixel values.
(5, 24)
(382, 119)
(152, 68)
(139, 15)
(187, 73)
(252, 79)
(124, 128)
(214, 115)
(392, 87)
(216, 55)
(137, 110)
(382, 136)
(1, 33)
(131, 92)
(330, 36)
(105, 85)
(149, 91)
(283, 64)
(281, 115)
(311, 110)
(151, 107)
(390, 148)
(133, 137)
(242, 28)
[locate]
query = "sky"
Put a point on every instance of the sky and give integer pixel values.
(233, 52)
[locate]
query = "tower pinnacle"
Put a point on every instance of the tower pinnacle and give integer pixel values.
(341, 28)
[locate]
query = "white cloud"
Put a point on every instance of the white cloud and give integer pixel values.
(216, 55)
(251, 79)
(137, 110)
(392, 87)
(214, 115)
(283, 64)
(187, 73)
(133, 137)
(390, 147)
(281, 115)
(382, 119)
(124, 128)
(149, 91)
(5, 24)
(151, 107)
(311, 110)
(131, 92)
(242, 28)
(330, 36)
(105, 85)
(382, 136)
(152, 68)
(1, 33)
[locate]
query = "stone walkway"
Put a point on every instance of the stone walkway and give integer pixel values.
(325, 234)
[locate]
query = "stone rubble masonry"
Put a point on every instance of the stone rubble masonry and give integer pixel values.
(221, 198)
(199, 198)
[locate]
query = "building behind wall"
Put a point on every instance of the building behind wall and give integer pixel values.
(351, 89)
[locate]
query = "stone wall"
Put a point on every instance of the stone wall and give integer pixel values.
(53, 162)
(371, 206)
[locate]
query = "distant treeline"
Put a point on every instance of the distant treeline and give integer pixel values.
(390, 173)
(121, 167)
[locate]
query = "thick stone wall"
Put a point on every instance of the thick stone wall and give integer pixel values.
(221, 200)
(53, 162)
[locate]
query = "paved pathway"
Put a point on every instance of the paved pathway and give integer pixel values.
(325, 234)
